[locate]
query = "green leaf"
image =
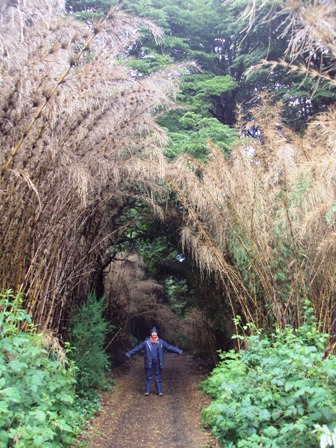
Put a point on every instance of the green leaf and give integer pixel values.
(271, 432)
(36, 380)
(11, 394)
(39, 415)
(4, 438)
(17, 366)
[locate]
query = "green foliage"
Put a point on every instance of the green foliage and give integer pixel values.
(301, 189)
(274, 393)
(149, 64)
(87, 333)
(155, 251)
(199, 90)
(86, 406)
(36, 385)
(224, 39)
(246, 254)
(196, 22)
(191, 33)
(190, 133)
(177, 293)
(267, 35)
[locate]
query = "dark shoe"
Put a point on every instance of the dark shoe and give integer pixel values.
(146, 393)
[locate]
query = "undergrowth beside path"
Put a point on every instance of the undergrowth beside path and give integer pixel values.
(38, 406)
(279, 392)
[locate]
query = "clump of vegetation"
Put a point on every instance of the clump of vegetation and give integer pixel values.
(261, 222)
(78, 140)
(87, 332)
(278, 392)
(37, 395)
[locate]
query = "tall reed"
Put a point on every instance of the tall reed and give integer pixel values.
(78, 140)
(263, 221)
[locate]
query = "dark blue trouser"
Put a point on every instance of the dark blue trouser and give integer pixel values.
(155, 372)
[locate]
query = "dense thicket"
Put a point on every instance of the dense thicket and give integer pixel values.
(81, 151)
(37, 384)
(263, 220)
(246, 214)
(280, 391)
(79, 143)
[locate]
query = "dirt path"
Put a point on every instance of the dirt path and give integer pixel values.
(131, 420)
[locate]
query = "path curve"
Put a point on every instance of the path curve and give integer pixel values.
(131, 420)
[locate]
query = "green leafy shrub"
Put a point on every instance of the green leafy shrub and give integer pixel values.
(36, 384)
(274, 393)
(87, 334)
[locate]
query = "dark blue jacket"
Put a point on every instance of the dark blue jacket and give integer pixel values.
(148, 358)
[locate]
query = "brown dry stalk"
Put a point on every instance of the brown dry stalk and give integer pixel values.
(223, 269)
(311, 29)
(134, 300)
(44, 104)
(283, 188)
(300, 69)
(79, 144)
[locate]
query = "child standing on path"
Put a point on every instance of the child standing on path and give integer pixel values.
(153, 359)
